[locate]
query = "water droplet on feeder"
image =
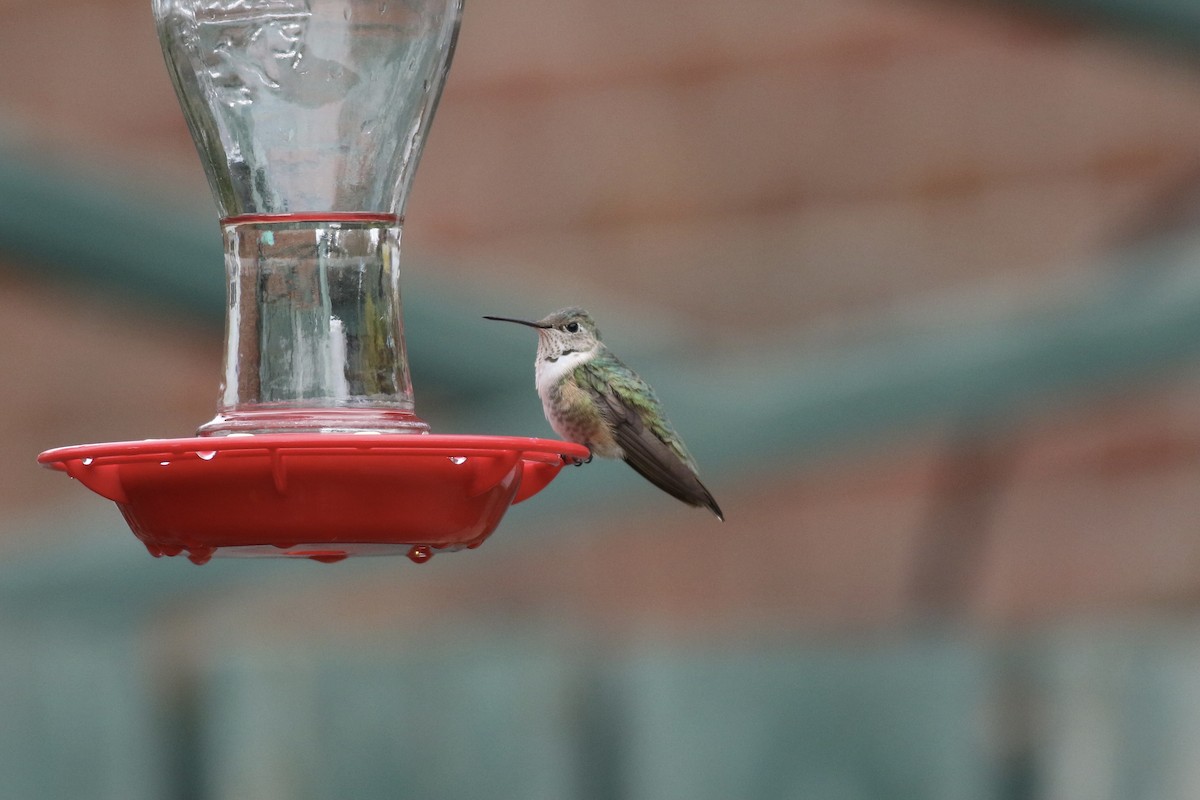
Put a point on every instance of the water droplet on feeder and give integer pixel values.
(330, 557)
(200, 555)
(207, 455)
(164, 463)
(458, 459)
(420, 553)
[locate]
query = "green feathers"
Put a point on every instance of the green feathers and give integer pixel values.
(607, 374)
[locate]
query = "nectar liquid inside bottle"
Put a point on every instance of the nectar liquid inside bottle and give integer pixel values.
(314, 334)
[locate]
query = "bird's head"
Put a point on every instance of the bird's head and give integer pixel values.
(569, 330)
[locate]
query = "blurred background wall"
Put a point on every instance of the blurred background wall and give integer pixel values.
(919, 283)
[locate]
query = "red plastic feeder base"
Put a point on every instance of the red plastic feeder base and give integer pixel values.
(317, 496)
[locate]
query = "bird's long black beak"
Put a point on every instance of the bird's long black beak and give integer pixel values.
(518, 321)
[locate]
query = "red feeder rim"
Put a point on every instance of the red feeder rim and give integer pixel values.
(320, 496)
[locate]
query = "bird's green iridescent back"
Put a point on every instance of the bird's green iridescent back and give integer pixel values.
(607, 374)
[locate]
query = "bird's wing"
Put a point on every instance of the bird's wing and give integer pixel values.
(641, 429)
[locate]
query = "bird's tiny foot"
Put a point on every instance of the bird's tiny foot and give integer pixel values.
(577, 462)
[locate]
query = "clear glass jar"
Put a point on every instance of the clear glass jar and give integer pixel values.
(309, 117)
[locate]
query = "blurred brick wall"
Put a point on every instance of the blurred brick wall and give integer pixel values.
(782, 160)
(794, 159)
(750, 166)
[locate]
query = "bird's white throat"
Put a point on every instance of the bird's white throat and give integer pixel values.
(549, 373)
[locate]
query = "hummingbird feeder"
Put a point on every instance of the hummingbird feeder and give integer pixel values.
(309, 117)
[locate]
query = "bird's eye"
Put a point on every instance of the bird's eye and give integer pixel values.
(572, 327)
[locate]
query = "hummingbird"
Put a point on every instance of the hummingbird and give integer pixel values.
(590, 397)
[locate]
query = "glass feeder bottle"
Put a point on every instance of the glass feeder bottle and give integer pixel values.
(309, 117)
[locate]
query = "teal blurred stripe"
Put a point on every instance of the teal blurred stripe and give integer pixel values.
(488, 707)
(73, 227)
(903, 720)
(1173, 22)
(484, 714)
(77, 713)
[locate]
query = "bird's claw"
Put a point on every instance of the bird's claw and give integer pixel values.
(577, 462)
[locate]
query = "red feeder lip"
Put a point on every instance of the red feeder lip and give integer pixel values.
(321, 496)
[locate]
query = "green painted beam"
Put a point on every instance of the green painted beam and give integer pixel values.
(74, 228)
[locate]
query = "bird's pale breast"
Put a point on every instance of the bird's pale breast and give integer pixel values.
(573, 414)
